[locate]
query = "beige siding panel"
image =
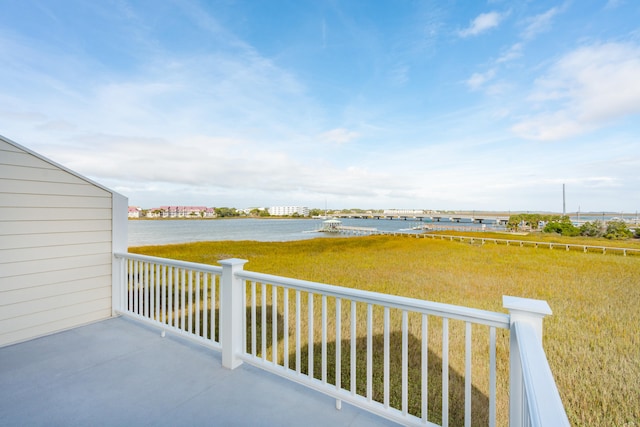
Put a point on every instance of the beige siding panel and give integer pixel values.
(12, 337)
(45, 304)
(5, 146)
(44, 214)
(63, 189)
(40, 266)
(33, 320)
(53, 278)
(8, 256)
(53, 239)
(22, 295)
(69, 226)
(52, 201)
(20, 158)
(23, 173)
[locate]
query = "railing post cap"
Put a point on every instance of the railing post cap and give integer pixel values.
(233, 261)
(533, 306)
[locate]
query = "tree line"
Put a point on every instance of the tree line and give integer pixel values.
(615, 229)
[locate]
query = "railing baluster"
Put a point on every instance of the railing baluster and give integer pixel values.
(134, 289)
(205, 308)
(274, 324)
(369, 352)
(190, 299)
(214, 310)
(176, 298)
(445, 372)
(492, 376)
(310, 337)
(324, 339)
(353, 347)
(164, 307)
(158, 299)
(169, 295)
(132, 285)
(146, 289)
(285, 298)
(298, 362)
(467, 375)
(197, 307)
(152, 299)
(405, 362)
(254, 344)
(245, 326)
(263, 318)
(425, 368)
(183, 309)
(386, 357)
(338, 343)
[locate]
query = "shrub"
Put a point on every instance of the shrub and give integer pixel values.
(562, 226)
(593, 229)
(617, 230)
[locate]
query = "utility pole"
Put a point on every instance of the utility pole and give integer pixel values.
(564, 206)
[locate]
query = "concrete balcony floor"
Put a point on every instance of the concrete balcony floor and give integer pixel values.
(121, 372)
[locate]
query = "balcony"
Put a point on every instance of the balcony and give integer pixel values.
(196, 343)
(122, 372)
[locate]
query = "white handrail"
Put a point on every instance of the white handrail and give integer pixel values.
(450, 311)
(543, 404)
(171, 262)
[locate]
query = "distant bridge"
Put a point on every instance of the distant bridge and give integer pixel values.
(451, 217)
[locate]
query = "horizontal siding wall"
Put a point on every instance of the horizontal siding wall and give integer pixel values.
(55, 248)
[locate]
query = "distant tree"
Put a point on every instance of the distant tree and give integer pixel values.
(593, 229)
(529, 221)
(316, 212)
(617, 230)
(561, 226)
(226, 212)
(637, 234)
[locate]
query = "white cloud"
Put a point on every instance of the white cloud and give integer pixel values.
(482, 23)
(584, 90)
(514, 52)
(540, 23)
(339, 136)
(477, 80)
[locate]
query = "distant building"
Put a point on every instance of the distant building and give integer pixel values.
(134, 212)
(184, 212)
(288, 210)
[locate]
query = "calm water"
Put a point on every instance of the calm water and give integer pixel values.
(161, 232)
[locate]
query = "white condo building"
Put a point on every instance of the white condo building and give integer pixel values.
(288, 210)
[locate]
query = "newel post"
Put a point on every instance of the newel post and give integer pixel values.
(231, 312)
(119, 244)
(531, 311)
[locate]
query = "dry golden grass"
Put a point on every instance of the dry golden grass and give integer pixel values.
(592, 340)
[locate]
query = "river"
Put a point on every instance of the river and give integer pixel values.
(162, 232)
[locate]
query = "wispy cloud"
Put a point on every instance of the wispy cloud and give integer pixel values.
(477, 80)
(482, 23)
(539, 23)
(339, 136)
(513, 52)
(586, 89)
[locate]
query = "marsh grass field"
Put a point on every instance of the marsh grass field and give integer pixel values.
(592, 340)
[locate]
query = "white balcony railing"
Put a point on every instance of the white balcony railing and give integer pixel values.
(357, 346)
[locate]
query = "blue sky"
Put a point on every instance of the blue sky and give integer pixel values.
(372, 104)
